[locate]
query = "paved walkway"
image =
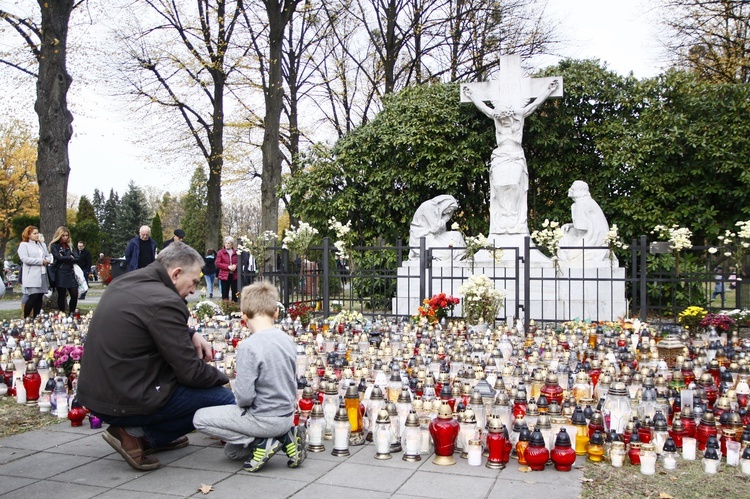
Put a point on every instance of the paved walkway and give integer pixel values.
(62, 461)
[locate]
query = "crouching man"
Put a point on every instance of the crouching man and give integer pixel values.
(144, 371)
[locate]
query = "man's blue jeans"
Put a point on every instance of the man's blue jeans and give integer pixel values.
(175, 418)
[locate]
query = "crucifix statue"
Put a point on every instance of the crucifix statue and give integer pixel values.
(513, 98)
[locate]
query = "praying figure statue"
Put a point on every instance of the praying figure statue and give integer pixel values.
(587, 231)
(509, 175)
(430, 222)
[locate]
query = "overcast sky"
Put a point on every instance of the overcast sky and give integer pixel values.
(103, 156)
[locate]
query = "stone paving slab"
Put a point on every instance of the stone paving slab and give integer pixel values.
(9, 454)
(128, 494)
(102, 473)
(11, 483)
(89, 445)
(172, 480)
(39, 440)
(244, 485)
(318, 490)
(63, 461)
(448, 486)
(362, 477)
(44, 489)
(43, 465)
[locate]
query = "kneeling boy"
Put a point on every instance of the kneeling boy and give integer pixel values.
(262, 421)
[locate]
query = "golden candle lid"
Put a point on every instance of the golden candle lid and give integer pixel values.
(383, 417)
(412, 420)
(317, 411)
(445, 412)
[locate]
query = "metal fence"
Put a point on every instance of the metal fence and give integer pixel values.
(654, 284)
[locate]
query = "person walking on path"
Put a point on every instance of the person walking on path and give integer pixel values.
(65, 257)
(84, 262)
(209, 271)
(262, 421)
(145, 372)
(34, 279)
(141, 250)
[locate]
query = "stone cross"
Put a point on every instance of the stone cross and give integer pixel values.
(513, 98)
(511, 89)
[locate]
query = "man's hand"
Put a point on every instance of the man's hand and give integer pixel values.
(202, 347)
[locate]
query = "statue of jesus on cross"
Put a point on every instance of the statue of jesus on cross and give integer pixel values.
(509, 175)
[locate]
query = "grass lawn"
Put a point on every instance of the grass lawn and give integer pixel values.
(688, 480)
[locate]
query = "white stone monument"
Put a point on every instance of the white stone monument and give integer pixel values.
(568, 293)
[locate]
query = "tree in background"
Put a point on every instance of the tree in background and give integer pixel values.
(157, 232)
(171, 214)
(278, 15)
(710, 38)
(424, 143)
(19, 192)
(86, 227)
(194, 219)
(47, 41)
(572, 139)
(133, 212)
(658, 151)
(85, 210)
(684, 160)
(98, 200)
(112, 240)
(242, 217)
(185, 60)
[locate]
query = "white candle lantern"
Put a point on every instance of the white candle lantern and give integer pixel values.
(341, 431)
(316, 428)
(411, 438)
(382, 435)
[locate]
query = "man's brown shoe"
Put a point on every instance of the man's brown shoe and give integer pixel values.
(130, 448)
(177, 443)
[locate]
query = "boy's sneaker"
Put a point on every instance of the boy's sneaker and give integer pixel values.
(294, 445)
(263, 450)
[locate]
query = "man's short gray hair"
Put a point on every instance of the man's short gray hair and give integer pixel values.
(179, 254)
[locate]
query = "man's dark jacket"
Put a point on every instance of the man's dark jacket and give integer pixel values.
(84, 261)
(139, 347)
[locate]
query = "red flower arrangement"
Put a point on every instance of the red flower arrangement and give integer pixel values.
(302, 311)
(721, 322)
(104, 270)
(437, 307)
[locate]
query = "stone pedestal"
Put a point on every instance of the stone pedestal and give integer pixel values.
(570, 293)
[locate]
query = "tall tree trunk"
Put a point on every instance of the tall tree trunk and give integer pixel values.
(215, 165)
(55, 129)
(271, 176)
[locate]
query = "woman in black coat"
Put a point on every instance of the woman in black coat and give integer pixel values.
(65, 257)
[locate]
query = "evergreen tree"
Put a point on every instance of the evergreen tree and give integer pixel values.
(134, 212)
(157, 232)
(86, 227)
(111, 240)
(98, 202)
(194, 206)
(86, 210)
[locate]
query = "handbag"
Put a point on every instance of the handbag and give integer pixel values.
(80, 279)
(51, 275)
